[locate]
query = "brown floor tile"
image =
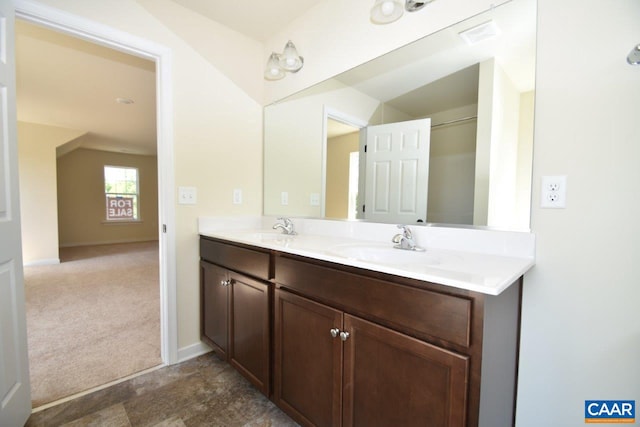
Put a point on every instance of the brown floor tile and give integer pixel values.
(200, 392)
(113, 416)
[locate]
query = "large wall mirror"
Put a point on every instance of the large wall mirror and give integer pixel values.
(439, 131)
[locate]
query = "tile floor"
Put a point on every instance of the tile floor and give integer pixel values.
(200, 392)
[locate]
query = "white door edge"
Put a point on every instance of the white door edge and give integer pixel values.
(99, 33)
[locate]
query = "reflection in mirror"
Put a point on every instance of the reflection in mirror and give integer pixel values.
(473, 81)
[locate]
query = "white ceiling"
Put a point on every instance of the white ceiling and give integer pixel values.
(67, 82)
(256, 19)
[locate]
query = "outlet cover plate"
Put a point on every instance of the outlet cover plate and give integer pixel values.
(553, 192)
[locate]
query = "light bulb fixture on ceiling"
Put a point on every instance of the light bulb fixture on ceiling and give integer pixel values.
(286, 62)
(388, 11)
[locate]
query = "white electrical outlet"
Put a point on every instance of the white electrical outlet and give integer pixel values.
(314, 199)
(284, 198)
(553, 193)
(237, 196)
(187, 195)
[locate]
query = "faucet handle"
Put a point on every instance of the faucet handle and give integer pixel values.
(406, 231)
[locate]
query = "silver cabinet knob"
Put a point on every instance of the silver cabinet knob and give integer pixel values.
(225, 282)
(344, 336)
(334, 332)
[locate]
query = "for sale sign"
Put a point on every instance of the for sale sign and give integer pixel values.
(119, 207)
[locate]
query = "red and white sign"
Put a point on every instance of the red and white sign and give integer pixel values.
(119, 207)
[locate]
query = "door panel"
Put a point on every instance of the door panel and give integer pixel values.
(249, 343)
(215, 307)
(15, 394)
(391, 379)
(397, 172)
(308, 360)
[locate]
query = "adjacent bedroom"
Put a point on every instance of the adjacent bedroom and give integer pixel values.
(89, 212)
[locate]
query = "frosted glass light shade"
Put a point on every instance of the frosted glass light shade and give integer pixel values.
(386, 11)
(273, 71)
(290, 60)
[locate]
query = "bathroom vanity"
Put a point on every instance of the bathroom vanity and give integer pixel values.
(334, 339)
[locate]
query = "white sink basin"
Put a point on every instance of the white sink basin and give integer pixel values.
(264, 236)
(382, 254)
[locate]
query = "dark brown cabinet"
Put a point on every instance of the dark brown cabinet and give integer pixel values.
(235, 311)
(358, 373)
(308, 360)
(334, 345)
(215, 304)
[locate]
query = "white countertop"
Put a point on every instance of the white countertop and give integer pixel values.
(477, 260)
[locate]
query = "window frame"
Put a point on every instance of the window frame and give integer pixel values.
(136, 202)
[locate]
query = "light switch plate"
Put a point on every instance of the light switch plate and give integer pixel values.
(237, 196)
(187, 195)
(314, 199)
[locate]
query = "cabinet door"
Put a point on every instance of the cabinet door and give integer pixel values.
(214, 307)
(391, 379)
(249, 333)
(308, 360)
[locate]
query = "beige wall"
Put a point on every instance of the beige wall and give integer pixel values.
(580, 326)
(294, 147)
(38, 195)
(452, 159)
(339, 149)
(81, 201)
(217, 123)
(581, 323)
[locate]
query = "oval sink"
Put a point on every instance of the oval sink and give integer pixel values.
(264, 236)
(379, 253)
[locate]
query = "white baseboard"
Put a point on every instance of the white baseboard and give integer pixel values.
(48, 261)
(108, 242)
(193, 350)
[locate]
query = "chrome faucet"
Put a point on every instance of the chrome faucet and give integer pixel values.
(286, 226)
(405, 240)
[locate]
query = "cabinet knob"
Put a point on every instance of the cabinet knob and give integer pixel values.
(335, 332)
(344, 336)
(225, 282)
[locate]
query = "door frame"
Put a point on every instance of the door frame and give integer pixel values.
(333, 114)
(104, 35)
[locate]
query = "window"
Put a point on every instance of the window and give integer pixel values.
(121, 193)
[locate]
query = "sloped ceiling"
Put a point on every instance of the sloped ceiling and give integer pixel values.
(67, 82)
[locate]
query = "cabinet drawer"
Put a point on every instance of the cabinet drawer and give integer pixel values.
(419, 312)
(251, 262)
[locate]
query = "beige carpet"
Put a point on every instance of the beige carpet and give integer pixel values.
(93, 318)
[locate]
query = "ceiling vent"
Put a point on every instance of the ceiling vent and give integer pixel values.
(480, 33)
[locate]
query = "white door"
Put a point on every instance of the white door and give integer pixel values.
(15, 394)
(397, 172)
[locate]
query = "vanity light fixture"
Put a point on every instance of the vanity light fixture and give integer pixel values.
(388, 11)
(634, 56)
(287, 61)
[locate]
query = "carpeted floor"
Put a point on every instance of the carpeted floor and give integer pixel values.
(93, 318)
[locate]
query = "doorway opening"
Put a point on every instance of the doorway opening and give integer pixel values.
(343, 154)
(164, 234)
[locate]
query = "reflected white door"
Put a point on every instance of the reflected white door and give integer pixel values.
(397, 172)
(15, 393)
